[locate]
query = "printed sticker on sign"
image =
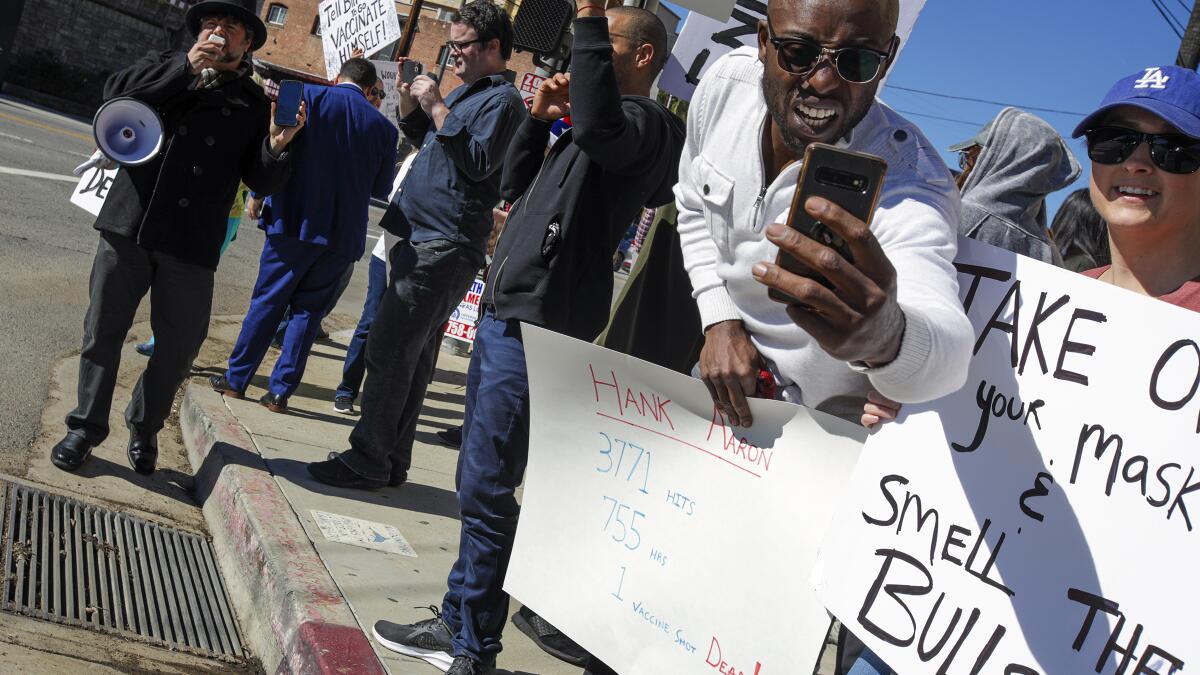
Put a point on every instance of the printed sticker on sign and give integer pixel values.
(529, 87)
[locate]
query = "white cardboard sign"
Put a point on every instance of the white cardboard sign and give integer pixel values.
(704, 39)
(1051, 504)
(346, 24)
(657, 536)
(92, 189)
(388, 75)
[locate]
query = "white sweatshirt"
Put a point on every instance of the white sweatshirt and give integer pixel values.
(723, 211)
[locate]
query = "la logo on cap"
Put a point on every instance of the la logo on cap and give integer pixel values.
(1153, 79)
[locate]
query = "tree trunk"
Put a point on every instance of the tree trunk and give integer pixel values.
(1189, 49)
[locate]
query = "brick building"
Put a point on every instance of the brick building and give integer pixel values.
(293, 48)
(64, 50)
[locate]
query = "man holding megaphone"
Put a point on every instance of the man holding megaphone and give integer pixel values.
(164, 221)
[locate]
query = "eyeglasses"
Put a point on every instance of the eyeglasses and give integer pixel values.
(458, 47)
(376, 92)
(1173, 153)
(637, 41)
(856, 65)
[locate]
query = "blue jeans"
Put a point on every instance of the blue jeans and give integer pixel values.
(869, 664)
(491, 464)
(356, 351)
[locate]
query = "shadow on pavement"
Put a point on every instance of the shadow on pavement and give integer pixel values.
(166, 482)
(410, 496)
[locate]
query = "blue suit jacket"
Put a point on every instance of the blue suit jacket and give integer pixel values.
(345, 154)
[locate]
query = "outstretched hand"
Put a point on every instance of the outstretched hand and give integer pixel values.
(281, 136)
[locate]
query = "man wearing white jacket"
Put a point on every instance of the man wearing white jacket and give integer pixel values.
(892, 320)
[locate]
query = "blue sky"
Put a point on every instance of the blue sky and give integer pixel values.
(1059, 54)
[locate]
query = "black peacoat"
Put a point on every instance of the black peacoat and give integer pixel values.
(179, 202)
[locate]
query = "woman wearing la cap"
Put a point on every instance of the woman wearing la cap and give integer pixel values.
(1144, 143)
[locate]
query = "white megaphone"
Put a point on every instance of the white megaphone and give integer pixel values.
(127, 132)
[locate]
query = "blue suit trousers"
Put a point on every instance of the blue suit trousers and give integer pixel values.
(291, 274)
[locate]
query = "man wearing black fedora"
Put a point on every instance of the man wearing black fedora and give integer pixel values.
(163, 223)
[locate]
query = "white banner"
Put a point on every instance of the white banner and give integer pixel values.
(346, 24)
(703, 40)
(92, 189)
(657, 536)
(388, 77)
(1036, 521)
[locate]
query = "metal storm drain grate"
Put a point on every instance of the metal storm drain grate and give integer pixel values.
(78, 564)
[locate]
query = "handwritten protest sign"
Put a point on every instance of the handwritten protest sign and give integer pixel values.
(659, 537)
(93, 188)
(388, 76)
(346, 24)
(1038, 520)
(462, 322)
(529, 87)
(703, 40)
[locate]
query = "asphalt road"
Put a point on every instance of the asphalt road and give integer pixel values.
(46, 249)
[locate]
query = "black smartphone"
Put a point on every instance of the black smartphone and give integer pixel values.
(287, 104)
(852, 180)
(409, 70)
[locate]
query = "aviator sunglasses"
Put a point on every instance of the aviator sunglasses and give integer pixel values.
(1173, 153)
(856, 65)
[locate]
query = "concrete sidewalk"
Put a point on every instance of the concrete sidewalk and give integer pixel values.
(306, 571)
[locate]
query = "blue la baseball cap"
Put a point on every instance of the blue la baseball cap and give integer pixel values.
(1171, 92)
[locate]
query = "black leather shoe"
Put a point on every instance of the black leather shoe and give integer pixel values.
(333, 471)
(219, 383)
(274, 402)
(70, 452)
(142, 453)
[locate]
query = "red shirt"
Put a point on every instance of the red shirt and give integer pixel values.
(1186, 296)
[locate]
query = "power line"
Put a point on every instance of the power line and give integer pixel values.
(939, 117)
(984, 100)
(1167, 17)
(1186, 10)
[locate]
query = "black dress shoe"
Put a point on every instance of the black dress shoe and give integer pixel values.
(333, 471)
(397, 478)
(274, 402)
(219, 383)
(70, 452)
(142, 453)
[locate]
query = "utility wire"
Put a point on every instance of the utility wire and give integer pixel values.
(939, 117)
(1186, 10)
(983, 100)
(1168, 18)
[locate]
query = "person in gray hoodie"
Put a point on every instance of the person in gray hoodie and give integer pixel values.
(1009, 167)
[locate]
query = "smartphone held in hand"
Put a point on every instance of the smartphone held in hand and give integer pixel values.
(410, 70)
(287, 104)
(852, 180)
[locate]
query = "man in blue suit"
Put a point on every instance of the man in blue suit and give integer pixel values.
(316, 228)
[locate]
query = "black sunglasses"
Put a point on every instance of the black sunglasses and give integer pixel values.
(856, 65)
(1173, 153)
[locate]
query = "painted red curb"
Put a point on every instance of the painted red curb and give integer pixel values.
(297, 616)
